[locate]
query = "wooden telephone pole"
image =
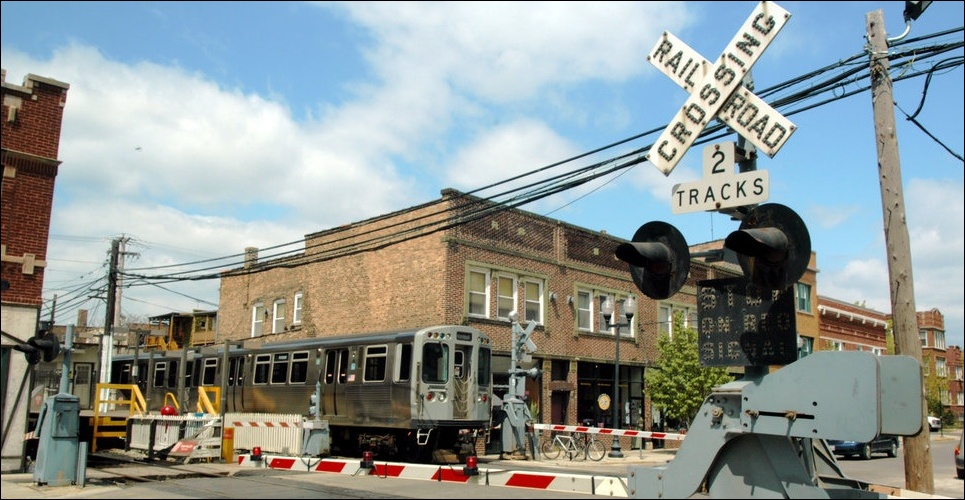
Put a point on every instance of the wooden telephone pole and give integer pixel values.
(918, 463)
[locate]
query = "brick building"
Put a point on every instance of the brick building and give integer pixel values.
(462, 260)
(956, 388)
(31, 119)
(851, 327)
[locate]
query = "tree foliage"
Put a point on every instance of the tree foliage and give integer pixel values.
(678, 384)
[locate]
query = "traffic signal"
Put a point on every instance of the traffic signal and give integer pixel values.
(659, 259)
(772, 245)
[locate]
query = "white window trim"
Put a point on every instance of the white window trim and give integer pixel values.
(298, 304)
(514, 297)
(256, 320)
(485, 292)
(278, 314)
(590, 309)
(540, 302)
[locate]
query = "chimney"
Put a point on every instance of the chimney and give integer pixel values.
(82, 318)
(251, 256)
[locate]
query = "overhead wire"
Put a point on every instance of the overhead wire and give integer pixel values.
(469, 206)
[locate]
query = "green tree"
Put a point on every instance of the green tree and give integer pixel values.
(935, 387)
(679, 384)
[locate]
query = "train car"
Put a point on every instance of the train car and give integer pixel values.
(401, 394)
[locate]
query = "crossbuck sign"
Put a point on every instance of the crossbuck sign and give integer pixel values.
(714, 90)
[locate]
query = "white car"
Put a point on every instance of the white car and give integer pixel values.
(934, 423)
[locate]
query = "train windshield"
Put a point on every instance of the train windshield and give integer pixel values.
(435, 362)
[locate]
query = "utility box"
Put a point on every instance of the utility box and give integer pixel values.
(58, 431)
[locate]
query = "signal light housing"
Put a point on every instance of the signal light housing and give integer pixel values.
(772, 245)
(659, 259)
(472, 466)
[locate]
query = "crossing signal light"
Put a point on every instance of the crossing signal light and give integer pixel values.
(659, 259)
(772, 245)
(30, 352)
(43, 345)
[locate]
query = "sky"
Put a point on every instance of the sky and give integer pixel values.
(197, 129)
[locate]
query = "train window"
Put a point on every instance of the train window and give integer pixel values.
(209, 371)
(241, 372)
(196, 375)
(458, 361)
(122, 376)
(172, 374)
(262, 368)
(299, 372)
(279, 368)
(485, 365)
(375, 358)
(435, 362)
(403, 370)
(342, 365)
(330, 364)
(160, 368)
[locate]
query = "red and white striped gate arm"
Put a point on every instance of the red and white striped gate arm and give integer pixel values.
(609, 432)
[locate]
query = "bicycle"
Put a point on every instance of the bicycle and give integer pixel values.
(578, 447)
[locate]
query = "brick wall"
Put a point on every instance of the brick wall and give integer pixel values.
(31, 120)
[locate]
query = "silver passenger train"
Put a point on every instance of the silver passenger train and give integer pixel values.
(402, 393)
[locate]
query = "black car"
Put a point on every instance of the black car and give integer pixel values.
(959, 459)
(886, 444)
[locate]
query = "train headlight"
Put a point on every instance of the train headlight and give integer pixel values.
(442, 397)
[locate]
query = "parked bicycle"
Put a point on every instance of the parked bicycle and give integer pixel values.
(576, 447)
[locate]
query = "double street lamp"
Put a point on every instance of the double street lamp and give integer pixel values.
(629, 305)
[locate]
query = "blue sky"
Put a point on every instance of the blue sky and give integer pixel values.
(197, 129)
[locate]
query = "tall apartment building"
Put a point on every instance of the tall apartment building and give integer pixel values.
(31, 119)
(463, 260)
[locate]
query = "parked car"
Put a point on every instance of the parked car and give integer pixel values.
(959, 452)
(934, 423)
(886, 444)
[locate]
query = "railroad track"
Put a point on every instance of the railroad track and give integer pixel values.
(117, 466)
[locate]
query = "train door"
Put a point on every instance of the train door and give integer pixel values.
(463, 391)
(209, 380)
(334, 377)
(234, 387)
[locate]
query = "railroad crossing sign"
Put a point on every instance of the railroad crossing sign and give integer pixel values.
(714, 91)
(720, 187)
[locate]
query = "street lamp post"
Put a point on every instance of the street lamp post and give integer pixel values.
(629, 305)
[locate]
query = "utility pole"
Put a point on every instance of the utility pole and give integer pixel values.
(107, 340)
(918, 463)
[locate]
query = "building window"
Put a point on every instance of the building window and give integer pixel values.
(505, 296)
(584, 310)
(923, 335)
(515, 292)
(278, 313)
(803, 297)
(533, 298)
(258, 313)
(665, 314)
(297, 312)
(478, 293)
(805, 346)
(939, 339)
